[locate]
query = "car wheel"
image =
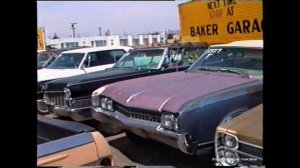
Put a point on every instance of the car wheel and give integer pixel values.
(109, 129)
(135, 138)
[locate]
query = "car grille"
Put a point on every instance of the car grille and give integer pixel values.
(137, 113)
(56, 97)
(250, 150)
(82, 103)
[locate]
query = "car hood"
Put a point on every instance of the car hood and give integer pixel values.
(94, 77)
(169, 92)
(247, 127)
(48, 74)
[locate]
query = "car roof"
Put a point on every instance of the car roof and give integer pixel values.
(93, 49)
(243, 43)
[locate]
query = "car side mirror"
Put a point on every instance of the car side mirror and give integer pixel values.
(83, 68)
(164, 66)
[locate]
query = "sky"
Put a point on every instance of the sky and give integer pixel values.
(129, 17)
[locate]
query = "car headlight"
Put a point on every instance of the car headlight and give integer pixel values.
(231, 158)
(103, 104)
(95, 100)
(68, 98)
(109, 105)
(230, 141)
(67, 93)
(169, 121)
(43, 89)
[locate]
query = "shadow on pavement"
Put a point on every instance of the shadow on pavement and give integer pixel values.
(157, 154)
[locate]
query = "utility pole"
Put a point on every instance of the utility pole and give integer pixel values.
(99, 31)
(73, 28)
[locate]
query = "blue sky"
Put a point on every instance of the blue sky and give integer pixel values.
(131, 17)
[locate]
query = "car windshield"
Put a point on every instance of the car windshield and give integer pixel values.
(245, 61)
(149, 59)
(67, 61)
(42, 58)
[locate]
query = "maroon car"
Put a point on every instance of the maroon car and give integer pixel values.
(183, 109)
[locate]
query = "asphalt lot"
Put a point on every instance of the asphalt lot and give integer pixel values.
(127, 153)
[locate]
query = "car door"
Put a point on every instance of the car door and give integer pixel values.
(101, 60)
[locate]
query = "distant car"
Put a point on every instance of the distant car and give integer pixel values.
(45, 58)
(239, 142)
(183, 109)
(66, 143)
(71, 96)
(80, 61)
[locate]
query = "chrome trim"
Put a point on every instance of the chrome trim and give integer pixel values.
(58, 98)
(240, 152)
(182, 143)
(161, 106)
(246, 143)
(235, 137)
(205, 143)
(40, 103)
(69, 108)
(220, 134)
(147, 126)
(54, 92)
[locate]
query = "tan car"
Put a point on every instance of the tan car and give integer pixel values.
(66, 143)
(239, 141)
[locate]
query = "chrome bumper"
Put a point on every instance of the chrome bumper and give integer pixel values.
(146, 129)
(77, 114)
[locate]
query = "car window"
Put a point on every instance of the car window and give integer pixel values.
(149, 58)
(248, 60)
(67, 61)
(118, 54)
(103, 57)
(190, 55)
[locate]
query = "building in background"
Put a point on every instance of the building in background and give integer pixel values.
(149, 39)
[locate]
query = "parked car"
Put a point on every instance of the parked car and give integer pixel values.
(45, 58)
(183, 109)
(66, 143)
(239, 142)
(71, 97)
(80, 61)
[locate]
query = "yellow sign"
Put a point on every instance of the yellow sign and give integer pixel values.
(221, 21)
(41, 43)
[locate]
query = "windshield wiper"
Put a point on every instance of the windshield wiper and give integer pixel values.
(223, 70)
(201, 68)
(233, 71)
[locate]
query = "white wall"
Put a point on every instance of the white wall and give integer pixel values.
(110, 40)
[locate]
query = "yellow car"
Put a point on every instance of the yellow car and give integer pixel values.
(239, 142)
(66, 143)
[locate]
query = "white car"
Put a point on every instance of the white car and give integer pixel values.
(81, 61)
